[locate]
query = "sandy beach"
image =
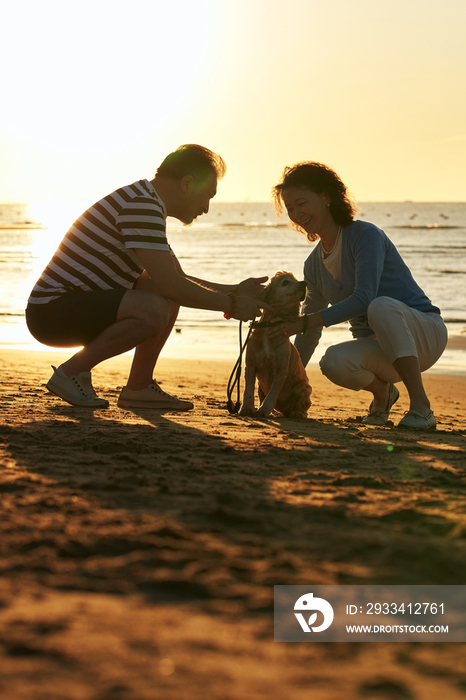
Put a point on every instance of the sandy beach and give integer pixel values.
(139, 549)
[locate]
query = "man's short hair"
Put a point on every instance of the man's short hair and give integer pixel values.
(193, 160)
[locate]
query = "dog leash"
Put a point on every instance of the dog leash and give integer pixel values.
(235, 377)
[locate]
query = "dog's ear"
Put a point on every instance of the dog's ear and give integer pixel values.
(266, 292)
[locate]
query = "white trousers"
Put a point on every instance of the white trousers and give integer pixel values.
(399, 331)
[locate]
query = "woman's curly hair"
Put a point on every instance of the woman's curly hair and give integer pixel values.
(318, 178)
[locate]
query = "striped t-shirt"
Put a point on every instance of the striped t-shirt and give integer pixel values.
(98, 250)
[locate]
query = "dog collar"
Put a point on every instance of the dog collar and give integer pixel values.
(264, 324)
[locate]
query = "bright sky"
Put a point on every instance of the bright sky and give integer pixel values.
(94, 94)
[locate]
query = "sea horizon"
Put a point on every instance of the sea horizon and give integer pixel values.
(235, 241)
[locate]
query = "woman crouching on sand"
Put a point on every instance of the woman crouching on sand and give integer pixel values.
(356, 274)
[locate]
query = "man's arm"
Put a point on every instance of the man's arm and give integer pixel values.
(173, 284)
(251, 287)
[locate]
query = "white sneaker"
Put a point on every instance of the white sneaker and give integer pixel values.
(152, 397)
(413, 419)
(381, 417)
(75, 389)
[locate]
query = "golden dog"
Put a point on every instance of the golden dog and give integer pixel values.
(283, 382)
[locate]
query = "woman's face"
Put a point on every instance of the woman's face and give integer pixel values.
(308, 209)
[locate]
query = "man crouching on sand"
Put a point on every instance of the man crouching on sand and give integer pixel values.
(114, 283)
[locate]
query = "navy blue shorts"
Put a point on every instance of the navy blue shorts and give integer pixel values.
(75, 318)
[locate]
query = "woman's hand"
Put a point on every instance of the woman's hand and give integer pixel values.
(287, 328)
(283, 331)
(251, 287)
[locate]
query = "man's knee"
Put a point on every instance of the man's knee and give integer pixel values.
(156, 314)
(153, 311)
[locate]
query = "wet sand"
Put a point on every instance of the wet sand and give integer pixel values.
(139, 549)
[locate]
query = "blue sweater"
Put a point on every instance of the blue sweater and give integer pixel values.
(371, 267)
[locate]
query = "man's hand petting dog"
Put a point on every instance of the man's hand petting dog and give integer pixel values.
(252, 287)
(247, 308)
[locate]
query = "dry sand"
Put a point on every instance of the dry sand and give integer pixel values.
(139, 549)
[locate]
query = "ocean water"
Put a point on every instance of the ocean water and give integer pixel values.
(233, 242)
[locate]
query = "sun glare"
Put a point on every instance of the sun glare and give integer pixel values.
(75, 117)
(96, 95)
(56, 217)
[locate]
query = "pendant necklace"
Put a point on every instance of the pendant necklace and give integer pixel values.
(329, 252)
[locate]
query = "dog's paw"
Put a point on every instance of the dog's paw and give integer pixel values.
(262, 413)
(246, 410)
(296, 414)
